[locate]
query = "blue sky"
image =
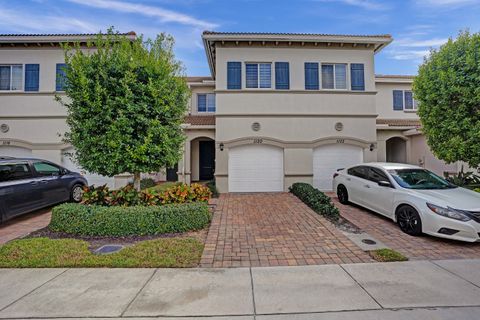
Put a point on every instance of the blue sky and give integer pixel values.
(416, 25)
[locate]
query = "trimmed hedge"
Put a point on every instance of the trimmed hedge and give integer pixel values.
(84, 220)
(315, 199)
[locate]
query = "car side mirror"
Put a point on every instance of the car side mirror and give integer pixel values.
(63, 172)
(384, 184)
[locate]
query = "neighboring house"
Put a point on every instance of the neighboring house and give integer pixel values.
(278, 108)
(32, 123)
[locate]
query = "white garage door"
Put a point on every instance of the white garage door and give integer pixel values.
(327, 159)
(16, 152)
(93, 179)
(255, 168)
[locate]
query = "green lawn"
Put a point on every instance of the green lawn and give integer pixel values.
(56, 253)
(387, 255)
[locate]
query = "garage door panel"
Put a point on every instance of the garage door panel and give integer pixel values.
(92, 179)
(328, 159)
(255, 169)
(16, 152)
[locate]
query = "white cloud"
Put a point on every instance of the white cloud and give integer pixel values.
(445, 3)
(414, 55)
(22, 22)
(163, 15)
(407, 42)
(365, 4)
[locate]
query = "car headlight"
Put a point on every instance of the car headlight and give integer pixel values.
(448, 212)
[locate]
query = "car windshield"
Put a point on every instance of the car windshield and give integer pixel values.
(419, 179)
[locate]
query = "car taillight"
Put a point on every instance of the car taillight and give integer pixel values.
(335, 175)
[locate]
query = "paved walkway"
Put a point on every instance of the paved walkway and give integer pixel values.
(405, 290)
(23, 225)
(273, 229)
(416, 248)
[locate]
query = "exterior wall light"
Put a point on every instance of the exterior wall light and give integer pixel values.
(221, 145)
(372, 147)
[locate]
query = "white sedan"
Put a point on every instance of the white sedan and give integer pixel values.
(417, 199)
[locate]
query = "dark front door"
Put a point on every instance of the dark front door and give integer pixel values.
(172, 173)
(207, 159)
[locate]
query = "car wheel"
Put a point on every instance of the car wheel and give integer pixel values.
(76, 193)
(342, 194)
(409, 220)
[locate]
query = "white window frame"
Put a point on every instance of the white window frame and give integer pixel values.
(22, 85)
(414, 102)
(207, 94)
(334, 64)
(272, 76)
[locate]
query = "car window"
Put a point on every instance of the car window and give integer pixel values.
(46, 169)
(360, 172)
(377, 175)
(14, 171)
(419, 179)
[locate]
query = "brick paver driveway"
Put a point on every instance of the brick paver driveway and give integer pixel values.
(23, 225)
(272, 229)
(416, 248)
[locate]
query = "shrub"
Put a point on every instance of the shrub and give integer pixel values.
(147, 183)
(315, 199)
(129, 196)
(185, 193)
(79, 219)
(464, 179)
(96, 195)
(213, 188)
(477, 190)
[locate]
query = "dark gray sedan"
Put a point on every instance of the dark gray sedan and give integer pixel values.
(30, 184)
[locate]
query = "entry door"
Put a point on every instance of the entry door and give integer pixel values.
(172, 173)
(207, 159)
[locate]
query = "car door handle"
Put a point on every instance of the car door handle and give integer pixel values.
(33, 183)
(367, 186)
(44, 181)
(348, 179)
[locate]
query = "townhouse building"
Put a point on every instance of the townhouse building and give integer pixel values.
(277, 108)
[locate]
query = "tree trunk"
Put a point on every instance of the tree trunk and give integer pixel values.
(136, 181)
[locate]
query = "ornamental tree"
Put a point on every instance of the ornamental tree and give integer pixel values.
(448, 91)
(126, 101)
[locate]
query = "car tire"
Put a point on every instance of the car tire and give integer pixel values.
(409, 220)
(76, 193)
(342, 194)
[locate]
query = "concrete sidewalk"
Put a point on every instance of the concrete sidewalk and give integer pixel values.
(447, 289)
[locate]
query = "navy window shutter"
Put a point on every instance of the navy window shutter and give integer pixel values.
(397, 100)
(32, 77)
(357, 75)
(202, 103)
(61, 77)
(234, 75)
(282, 76)
(311, 76)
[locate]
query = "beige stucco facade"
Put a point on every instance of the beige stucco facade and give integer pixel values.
(296, 121)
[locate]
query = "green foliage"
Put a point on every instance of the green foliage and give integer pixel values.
(163, 186)
(464, 179)
(126, 103)
(147, 183)
(67, 253)
(387, 255)
(448, 90)
(213, 188)
(84, 220)
(129, 196)
(315, 199)
(477, 190)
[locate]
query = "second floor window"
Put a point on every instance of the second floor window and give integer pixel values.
(258, 75)
(334, 76)
(206, 102)
(61, 79)
(403, 100)
(11, 77)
